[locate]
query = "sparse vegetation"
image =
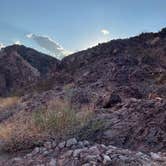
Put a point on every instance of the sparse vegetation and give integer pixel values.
(52, 121)
(43, 85)
(9, 101)
(91, 129)
(30, 128)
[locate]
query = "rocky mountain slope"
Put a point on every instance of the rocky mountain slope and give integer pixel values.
(120, 85)
(20, 66)
(134, 67)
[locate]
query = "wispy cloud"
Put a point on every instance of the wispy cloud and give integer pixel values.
(50, 45)
(105, 32)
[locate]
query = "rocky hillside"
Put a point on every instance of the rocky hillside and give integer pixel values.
(134, 67)
(20, 66)
(112, 95)
(76, 153)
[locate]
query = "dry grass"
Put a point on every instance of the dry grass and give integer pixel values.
(8, 102)
(17, 132)
(27, 129)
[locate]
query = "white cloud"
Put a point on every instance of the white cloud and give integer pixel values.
(50, 45)
(2, 45)
(105, 32)
(29, 35)
(17, 42)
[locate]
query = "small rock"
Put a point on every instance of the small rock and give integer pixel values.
(36, 150)
(62, 145)
(54, 144)
(94, 150)
(17, 159)
(157, 157)
(45, 153)
(42, 150)
(29, 155)
(71, 142)
(86, 164)
(103, 146)
(139, 154)
(48, 145)
(89, 158)
(112, 147)
(106, 159)
(86, 143)
(123, 157)
(80, 144)
(76, 152)
(93, 163)
(52, 162)
(66, 154)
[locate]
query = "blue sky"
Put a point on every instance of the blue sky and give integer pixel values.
(77, 24)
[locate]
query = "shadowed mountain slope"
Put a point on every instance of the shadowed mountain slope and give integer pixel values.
(21, 66)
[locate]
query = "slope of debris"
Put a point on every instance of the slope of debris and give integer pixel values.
(76, 153)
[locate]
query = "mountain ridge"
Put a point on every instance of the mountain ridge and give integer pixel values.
(21, 66)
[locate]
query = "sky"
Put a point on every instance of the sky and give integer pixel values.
(61, 27)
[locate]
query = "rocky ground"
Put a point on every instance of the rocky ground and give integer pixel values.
(76, 153)
(136, 124)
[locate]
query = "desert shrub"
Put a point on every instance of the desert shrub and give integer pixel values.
(93, 128)
(57, 121)
(18, 133)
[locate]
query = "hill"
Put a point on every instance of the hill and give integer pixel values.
(21, 66)
(113, 94)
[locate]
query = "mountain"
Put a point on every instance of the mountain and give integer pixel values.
(21, 66)
(111, 98)
(42, 62)
(134, 67)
